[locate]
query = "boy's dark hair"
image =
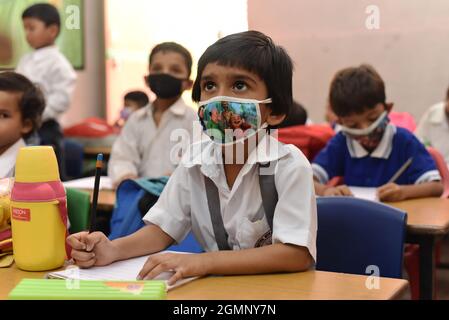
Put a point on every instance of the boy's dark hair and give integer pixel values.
(296, 116)
(356, 89)
(256, 53)
(138, 96)
(173, 47)
(31, 103)
(44, 12)
(447, 94)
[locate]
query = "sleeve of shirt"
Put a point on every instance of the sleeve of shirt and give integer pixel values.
(295, 216)
(423, 168)
(62, 80)
(421, 131)
(172, 211)
(125, 157)
(329, 162)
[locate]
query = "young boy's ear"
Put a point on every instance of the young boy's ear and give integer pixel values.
(27, 127)
(187, 84)
(275, 119)
(389, 106)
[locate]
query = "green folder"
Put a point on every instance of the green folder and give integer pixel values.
(49, 289)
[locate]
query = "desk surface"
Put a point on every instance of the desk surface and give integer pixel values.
(311, 285)
(425, 216)
(96, 150)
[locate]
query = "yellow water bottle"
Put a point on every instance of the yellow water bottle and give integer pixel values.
(38, 211)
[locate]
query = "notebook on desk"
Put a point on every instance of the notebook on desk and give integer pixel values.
(126, 270)
(88, 183)
(364, 193)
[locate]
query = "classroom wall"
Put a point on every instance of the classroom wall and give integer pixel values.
(89, 96)
(410, 49)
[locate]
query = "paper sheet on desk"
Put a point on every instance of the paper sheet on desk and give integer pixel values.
(126, 270)
(88, 183)
(364, 193)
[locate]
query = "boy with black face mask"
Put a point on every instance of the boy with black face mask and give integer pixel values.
(369, 150)
(143, 148)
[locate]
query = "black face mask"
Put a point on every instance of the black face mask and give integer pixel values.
(164, 85)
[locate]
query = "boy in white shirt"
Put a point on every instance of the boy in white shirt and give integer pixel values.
(216, 192)
(433, 128)
(50, 69)
(21, 107)
(144, 146)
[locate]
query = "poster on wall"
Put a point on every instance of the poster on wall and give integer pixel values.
(12, 35)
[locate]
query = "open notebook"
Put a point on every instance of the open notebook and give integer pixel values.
(88, 183)
(364, 193)
(126, 270)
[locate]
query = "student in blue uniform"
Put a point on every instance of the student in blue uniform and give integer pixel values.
(369, 150)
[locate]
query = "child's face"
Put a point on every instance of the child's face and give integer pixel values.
(169, 62)
(12, 128)
(38, 35)
(362, 120)
(217, 80)
(132, 105)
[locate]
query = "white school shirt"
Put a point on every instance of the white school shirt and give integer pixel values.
(8, 159)
(146, 150)
(433, 129)
(183, 204)
(52, 72)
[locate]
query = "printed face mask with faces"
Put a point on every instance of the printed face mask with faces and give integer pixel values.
(369, 137)
(227, 120)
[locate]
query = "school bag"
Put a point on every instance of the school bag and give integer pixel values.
(310, 139)
(134, 199)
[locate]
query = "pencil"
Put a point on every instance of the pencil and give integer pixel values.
(401, 170)
(93, 212)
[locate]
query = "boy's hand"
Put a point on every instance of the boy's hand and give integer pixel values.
(92, 249)
(342, 190)
(391, 192)
(184, 265)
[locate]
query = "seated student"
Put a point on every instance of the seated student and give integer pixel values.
(433, 128)
(143, 148)
(369, 150)
(236, 68)
(296, 117)
(133, 101)
(21, 107)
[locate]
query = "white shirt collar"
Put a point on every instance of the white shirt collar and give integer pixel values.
(178, 108)
(43, 52)
(208, 154)
(8, 159)
(438, 115)
(382, 151)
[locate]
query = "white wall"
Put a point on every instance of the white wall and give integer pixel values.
(89, 96)
(410, 50)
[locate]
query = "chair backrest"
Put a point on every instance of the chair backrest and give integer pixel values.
(310, 139)
(78, 208)
(354, 234)
(403, 120)
(442, 168)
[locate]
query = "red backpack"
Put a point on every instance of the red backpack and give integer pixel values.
(310, 139)
(91, 128)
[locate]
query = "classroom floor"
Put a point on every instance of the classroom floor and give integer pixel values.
(442, 275)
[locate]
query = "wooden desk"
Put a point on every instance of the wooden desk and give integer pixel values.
(311, 285)
(93, 151)
(106, 199)
(427, 222)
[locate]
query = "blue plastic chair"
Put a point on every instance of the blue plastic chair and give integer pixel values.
(355, 233)
(74, 157)
(189, 244)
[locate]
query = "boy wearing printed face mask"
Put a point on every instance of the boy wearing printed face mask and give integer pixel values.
(369, 150)
(143, 147)
(220, 200)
